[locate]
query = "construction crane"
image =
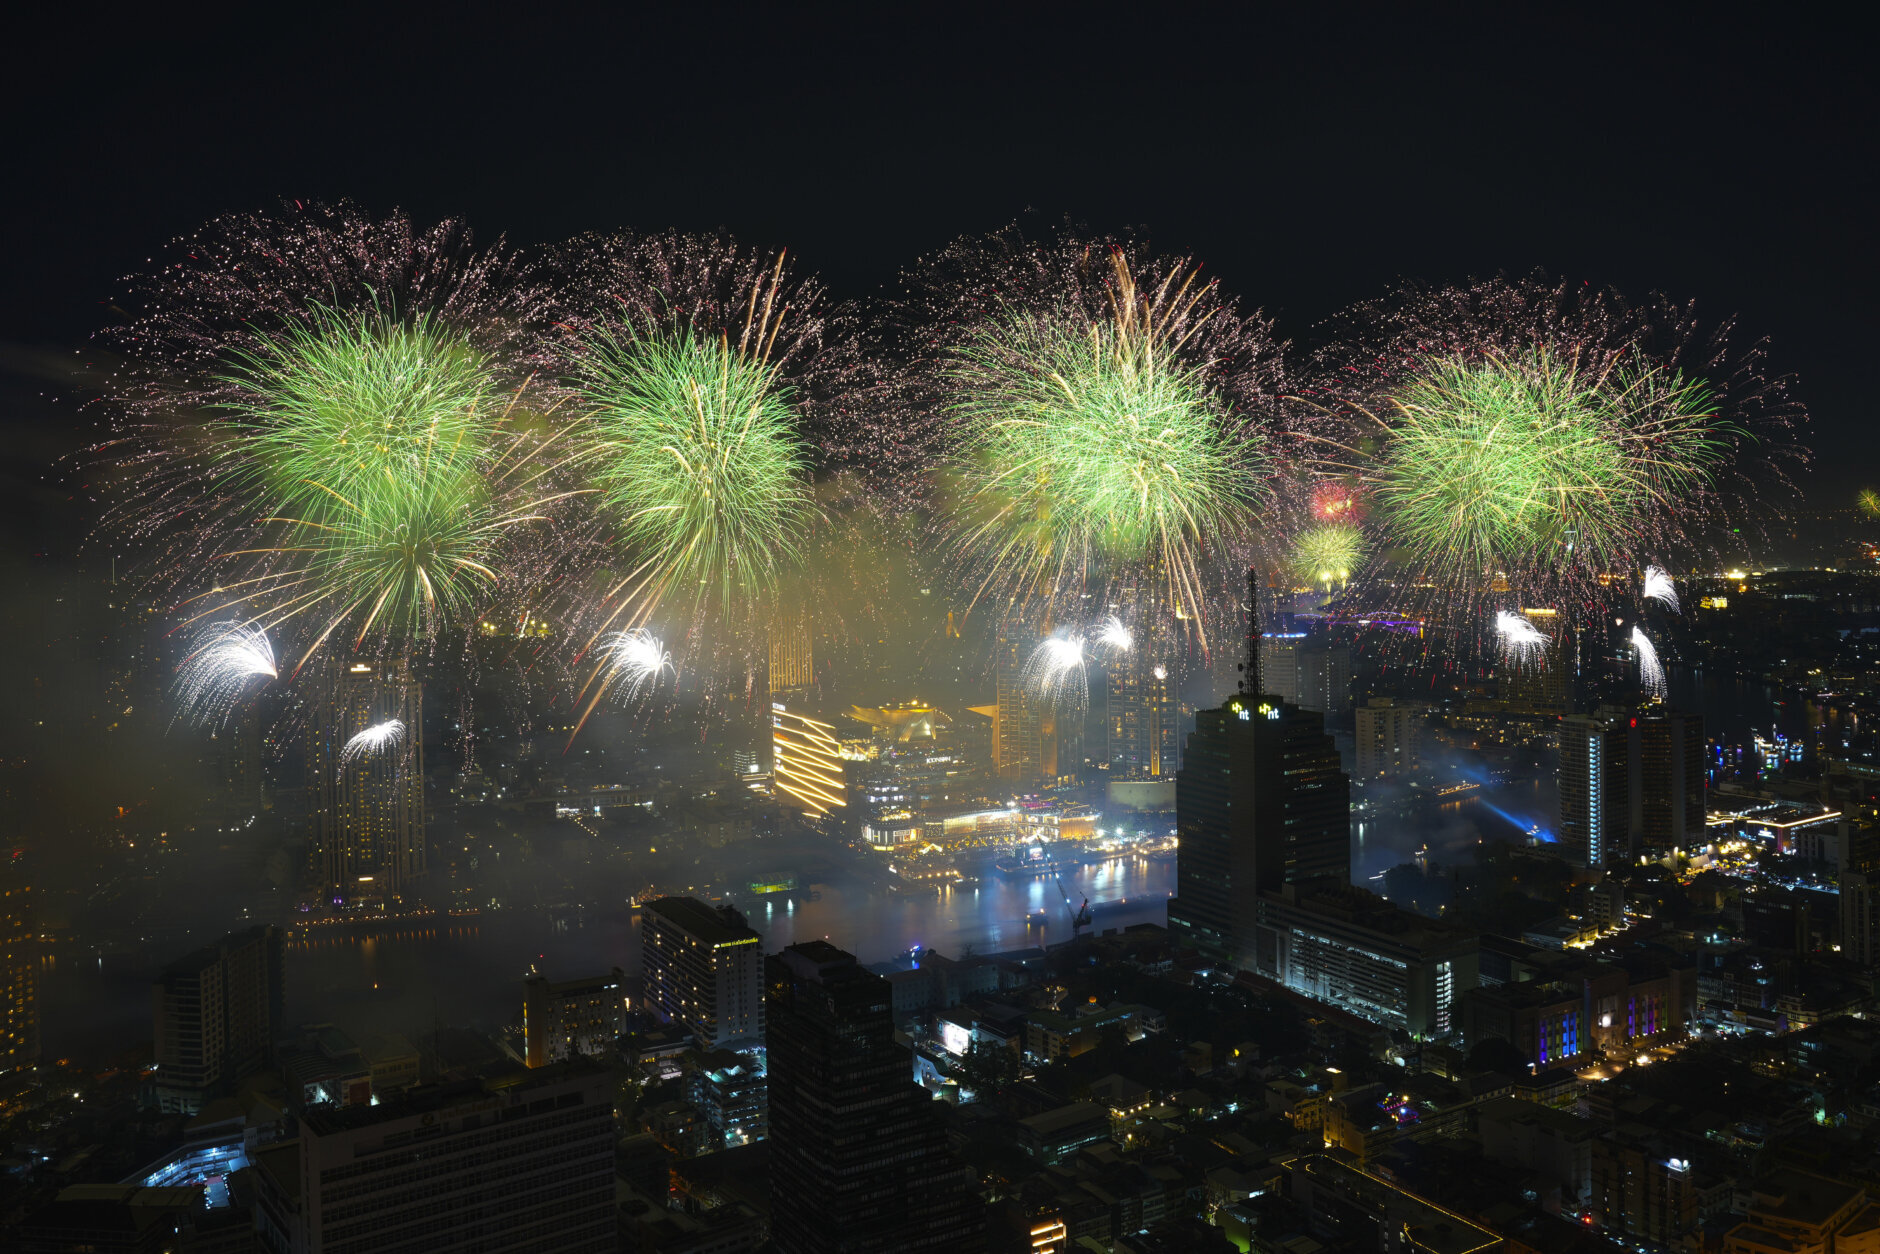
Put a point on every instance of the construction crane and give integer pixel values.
(1080, 917)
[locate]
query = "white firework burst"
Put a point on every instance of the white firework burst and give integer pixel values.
(1522, 643)
(1660, 587)
(1651, 672)
(634, 661)
(220, 669)
(375, 741)
(1055, 674)
(1114, 634)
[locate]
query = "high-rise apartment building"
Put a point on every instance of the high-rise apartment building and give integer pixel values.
(1309, 672)
(1143, 722)
(369, 808)
(1261, 801)
(806, 762)
(1279, 663)
(1389, 739)
(1017, 722)
(217, 1013)
(518, 1161)
(1859, 883)
(566, 1018)
(19, 966)
(703, 968)
(1594, 778)
(1544, 685)
(858, 1161)
(1665, 782)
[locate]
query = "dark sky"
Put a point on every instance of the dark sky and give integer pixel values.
(1723, 156)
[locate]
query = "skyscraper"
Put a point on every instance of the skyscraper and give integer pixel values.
(1389, 738)
(217, 1013)
(1017, 750)
(1261, 801)
(1593, 789)
(1665, 782)
(369, 812)
(19, 962)
(807, 762)
(1324, 678)
(1859, 884)
(792, 663)
(704, 969)
(858, 1161)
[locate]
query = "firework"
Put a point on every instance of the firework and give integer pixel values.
(633, 661)
(375, 741)
(1522, 643)
(1114, 634)
(1869, 502)
(1531, 464)
(219, 670)
(1091, 444)
(1337, 502)
(693, 448)
(1659, 587)
(1055, 673)
(1651, 672)
(1328, 554)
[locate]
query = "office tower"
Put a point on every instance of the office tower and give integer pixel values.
(703, 968)
(792, 664)
(731, 1091)
(1279, 663)
(1260, 801)
(369, 811)
(1665, 782)
(1594, 777)
(519, 1161)
(858, 1160)
(1389, 739)
(1858, 879)
(570, 1017)
(19, 962)
(1544, 685)
(806, 762)
(217, 1013)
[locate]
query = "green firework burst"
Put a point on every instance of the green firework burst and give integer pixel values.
(693, 448)
(1869, 502)
(1524, 461)
(1329, 553)
(367, 446)
(1092, 444)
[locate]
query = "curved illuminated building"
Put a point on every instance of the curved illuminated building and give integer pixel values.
(807, 767)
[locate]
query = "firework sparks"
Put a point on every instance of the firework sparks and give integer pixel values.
(1651, 672)
(375, 741)
(1335, 502)
(1113, 634)
(218, 672)
(1055, 673)
(1329, 554)
(1522, 643)
(1869, 502)
(1660, 587)
(633, 661)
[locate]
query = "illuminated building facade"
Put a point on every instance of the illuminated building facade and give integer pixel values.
(1341, 945)
(703, 969)
(1594, 781)
(792, 661)
(1544, 686)
(369, 813)
(563, 1019)
(807, 762)
(1389, 739)
(217, 1013)
(1143, 720)
(858, 1161)
(19, 961)
(1019, 734)
(1261, 801)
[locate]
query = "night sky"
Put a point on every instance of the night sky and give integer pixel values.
(1307, 163)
